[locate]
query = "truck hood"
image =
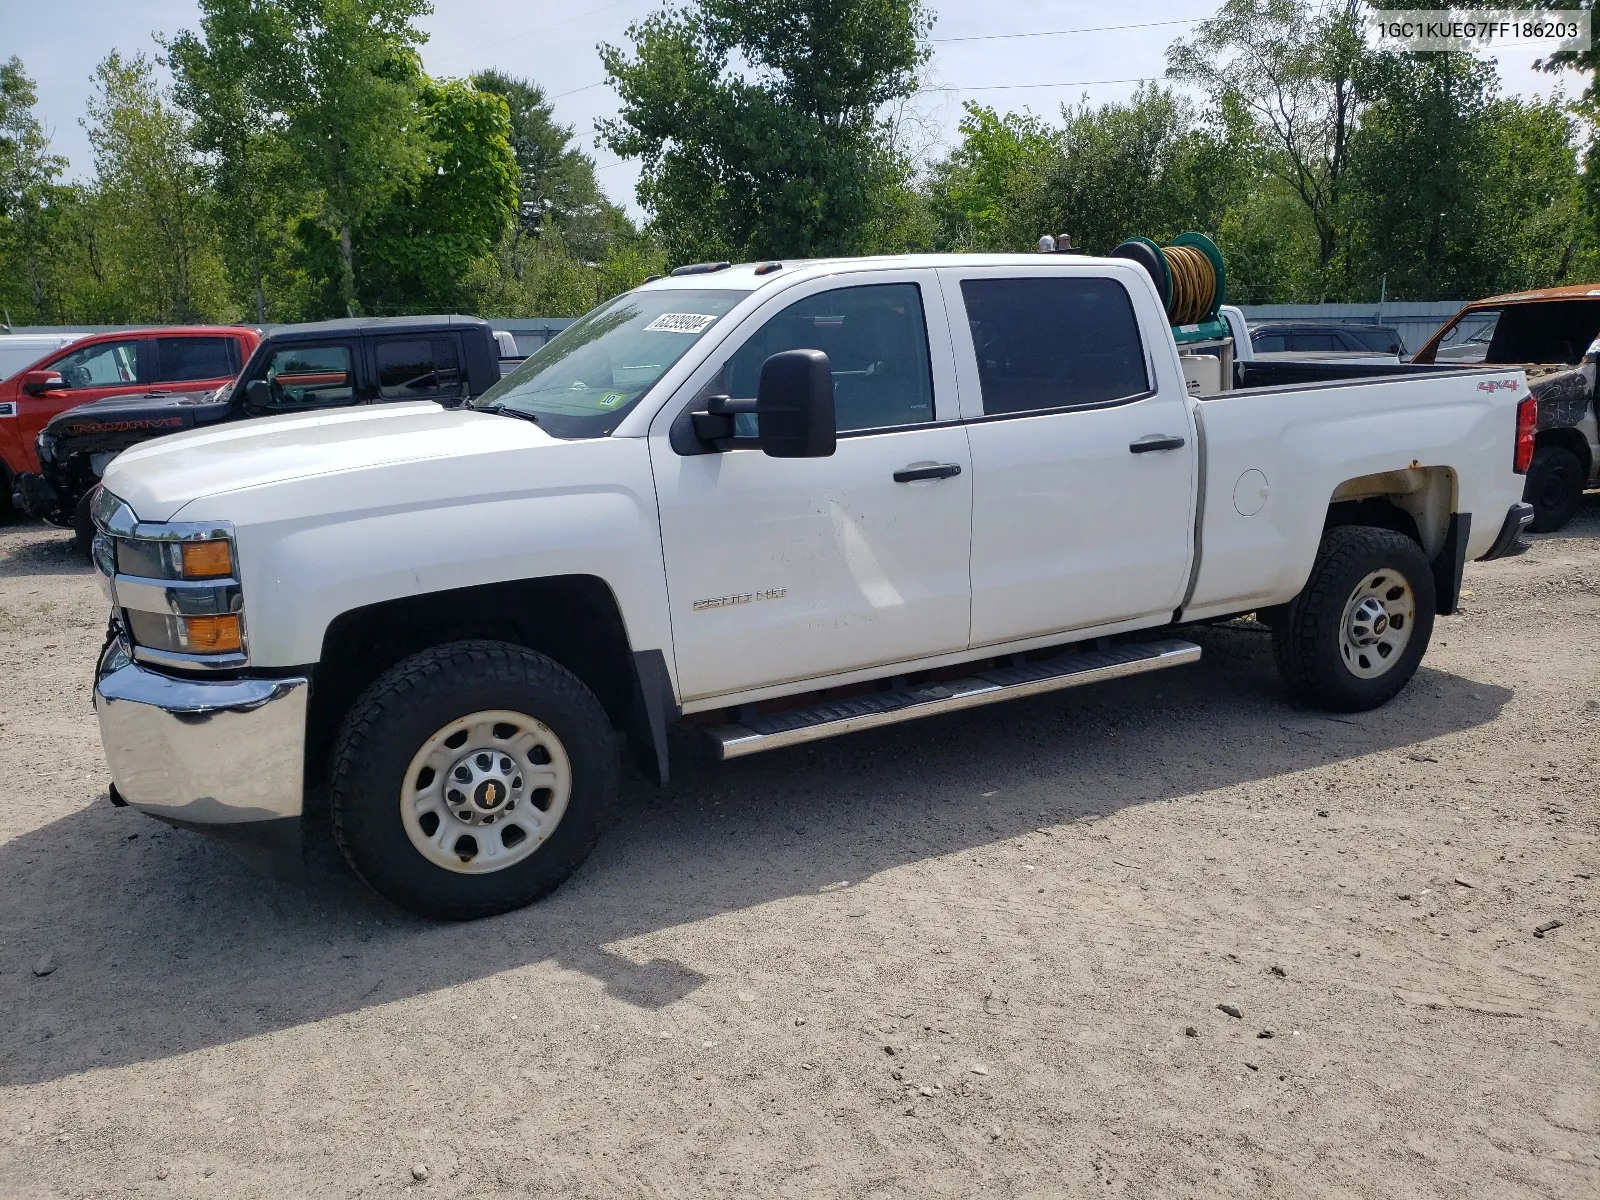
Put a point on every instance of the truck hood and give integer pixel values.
(158, 478)
(152, 414)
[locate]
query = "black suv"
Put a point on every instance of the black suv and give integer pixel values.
(296, 368)
(1296, 337)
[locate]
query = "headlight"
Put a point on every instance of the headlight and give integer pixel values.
(176, 585)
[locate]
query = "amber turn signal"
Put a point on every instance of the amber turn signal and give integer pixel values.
(207, 560)
(213, 635)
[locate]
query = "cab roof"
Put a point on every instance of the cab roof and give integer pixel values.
(752, 275)
(359, 325)
(1570, 291)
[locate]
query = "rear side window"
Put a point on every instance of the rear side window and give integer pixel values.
(1379, 340)
(311, 375)
(197, 358)
(1048, 343)
(1314, 342)
(418, 368)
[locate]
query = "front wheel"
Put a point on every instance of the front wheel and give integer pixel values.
(83, 526)
(1356, 633)
(472, 779)
(1554, 487)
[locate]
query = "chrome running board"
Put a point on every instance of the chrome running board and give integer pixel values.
(769, 731)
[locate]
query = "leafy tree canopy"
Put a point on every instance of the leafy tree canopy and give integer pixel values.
(761, 123)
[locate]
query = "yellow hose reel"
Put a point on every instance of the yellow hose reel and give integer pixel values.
(1190, 278)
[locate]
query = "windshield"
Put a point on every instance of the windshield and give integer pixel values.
(585, 380)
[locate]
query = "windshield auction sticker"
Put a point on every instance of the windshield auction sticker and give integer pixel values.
(680, 323)
(1477, 29)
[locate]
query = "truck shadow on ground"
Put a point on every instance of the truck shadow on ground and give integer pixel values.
(166, 943)
(51, 553)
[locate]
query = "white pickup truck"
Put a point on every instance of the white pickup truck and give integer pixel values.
(782, 501)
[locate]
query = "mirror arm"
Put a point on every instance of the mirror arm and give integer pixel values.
(715, 426)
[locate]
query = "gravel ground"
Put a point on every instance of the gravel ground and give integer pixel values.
(987, 953)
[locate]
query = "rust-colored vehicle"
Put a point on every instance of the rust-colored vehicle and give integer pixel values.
(1553, 334)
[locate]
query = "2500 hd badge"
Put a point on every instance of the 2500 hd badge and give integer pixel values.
(742, 598)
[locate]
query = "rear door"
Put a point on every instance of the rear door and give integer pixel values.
(1082, 457)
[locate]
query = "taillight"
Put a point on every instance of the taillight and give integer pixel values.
(1527, 418)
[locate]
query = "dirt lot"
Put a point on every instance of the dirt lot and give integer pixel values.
(978, 955)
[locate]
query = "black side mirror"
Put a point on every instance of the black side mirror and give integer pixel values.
(795, 403)
(258, 393)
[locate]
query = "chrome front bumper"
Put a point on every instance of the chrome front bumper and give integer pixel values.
(202, 751)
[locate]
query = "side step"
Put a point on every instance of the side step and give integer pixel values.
(769, 731)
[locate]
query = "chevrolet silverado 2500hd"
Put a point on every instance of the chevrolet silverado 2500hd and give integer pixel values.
(784, 501)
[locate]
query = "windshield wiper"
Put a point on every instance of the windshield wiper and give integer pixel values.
(509, 412)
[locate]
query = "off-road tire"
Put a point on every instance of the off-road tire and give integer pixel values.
(407, 705)
(1554, 487)
(1306, 641)
(83, 527)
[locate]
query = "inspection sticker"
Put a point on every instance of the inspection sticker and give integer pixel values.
(611, 400)
(679, 323)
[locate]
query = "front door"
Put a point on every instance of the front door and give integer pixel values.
(120, 368)
(785, 570)
(1083, 453)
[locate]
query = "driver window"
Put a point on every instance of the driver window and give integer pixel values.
(110, 364)
(311, 375)
(877, 345)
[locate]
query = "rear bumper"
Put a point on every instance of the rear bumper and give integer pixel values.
(219, 753)
(1509, 541)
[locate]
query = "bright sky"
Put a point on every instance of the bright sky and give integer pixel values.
(553, 43)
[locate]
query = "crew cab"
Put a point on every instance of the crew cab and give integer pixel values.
(778, 502)
(296, 368)
(171, 361)
(1554, 335)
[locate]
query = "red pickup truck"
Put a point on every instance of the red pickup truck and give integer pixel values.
(178, 359)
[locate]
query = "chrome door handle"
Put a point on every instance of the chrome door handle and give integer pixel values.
(1156, 441)
(934, 471)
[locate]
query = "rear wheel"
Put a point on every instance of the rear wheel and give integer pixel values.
(472, 779)
(1355, 634)
(1554, 487)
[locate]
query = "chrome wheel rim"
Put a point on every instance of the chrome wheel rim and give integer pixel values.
(485, 792)
(1377, 624)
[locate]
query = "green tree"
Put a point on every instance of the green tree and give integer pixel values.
(1144, 167)
(31, 201)
(978, 188)
(259, 190)
(341, 81)
(762, 123)
(555, 181)
(420, 246)
(1291, 66)
(151, 222)
(1454, 191)
(1141, 167)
